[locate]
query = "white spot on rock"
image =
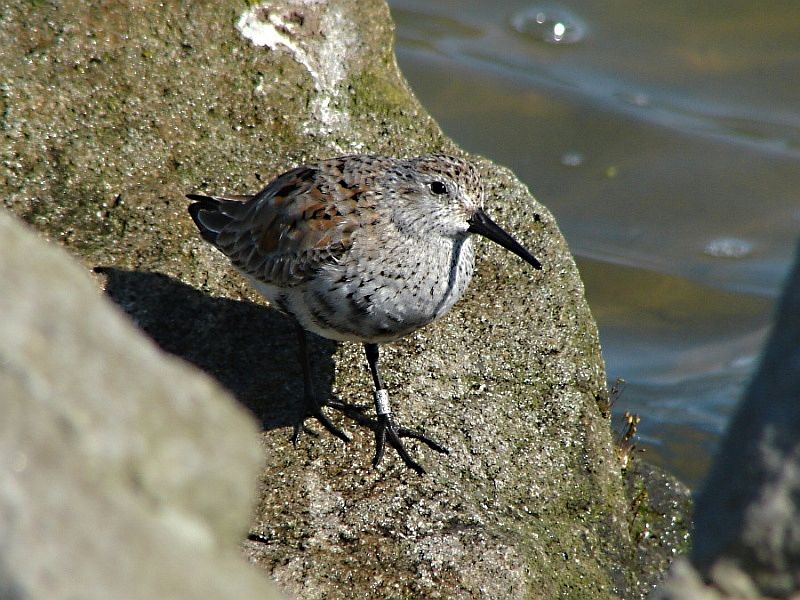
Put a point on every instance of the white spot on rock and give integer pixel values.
(322, 53)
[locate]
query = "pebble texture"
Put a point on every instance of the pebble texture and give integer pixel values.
(109, 114)
(115, 480)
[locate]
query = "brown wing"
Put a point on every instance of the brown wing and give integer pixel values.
(302, 220)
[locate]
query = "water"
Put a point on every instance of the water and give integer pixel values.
(666, 139)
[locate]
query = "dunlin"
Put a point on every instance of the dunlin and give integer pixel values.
(358, 248)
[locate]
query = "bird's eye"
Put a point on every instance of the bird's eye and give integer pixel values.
(437, 187)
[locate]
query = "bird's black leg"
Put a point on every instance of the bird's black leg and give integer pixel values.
(386, 429)
(312, 407)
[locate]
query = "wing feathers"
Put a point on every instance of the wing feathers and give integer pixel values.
(301, 221)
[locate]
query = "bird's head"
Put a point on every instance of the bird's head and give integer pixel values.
(444, 194)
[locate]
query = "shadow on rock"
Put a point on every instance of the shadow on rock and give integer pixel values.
(251, 349)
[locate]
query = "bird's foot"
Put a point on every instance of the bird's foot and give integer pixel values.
(387, 430)
(314, 409)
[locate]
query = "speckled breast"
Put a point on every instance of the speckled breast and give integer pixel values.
(382, 299)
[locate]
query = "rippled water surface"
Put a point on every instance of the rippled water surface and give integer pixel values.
(665, 137)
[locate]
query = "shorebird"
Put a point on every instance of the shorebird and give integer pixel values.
(358, 248)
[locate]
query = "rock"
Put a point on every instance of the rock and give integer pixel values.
(747, 521)
(123, 472)
(154, 101)
(661, 506)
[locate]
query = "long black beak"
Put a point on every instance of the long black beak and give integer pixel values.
(481, 224)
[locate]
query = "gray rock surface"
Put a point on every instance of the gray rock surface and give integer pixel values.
(110, 114)
(123, 472)
(747, 521)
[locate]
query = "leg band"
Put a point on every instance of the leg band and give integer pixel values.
(382, 402)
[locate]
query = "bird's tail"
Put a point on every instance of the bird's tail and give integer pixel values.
(212, 214)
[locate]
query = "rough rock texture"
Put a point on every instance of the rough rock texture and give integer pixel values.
(114, 479)
(660, 507)
(747, 522)
(110, 112)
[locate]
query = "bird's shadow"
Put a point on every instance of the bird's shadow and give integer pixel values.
(250, 349)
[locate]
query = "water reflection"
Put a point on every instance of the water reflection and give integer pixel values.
(669, 155)
(729, 248)
(572, 159)
(552, 24)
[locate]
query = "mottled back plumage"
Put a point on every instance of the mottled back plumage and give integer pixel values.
(307, 216)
